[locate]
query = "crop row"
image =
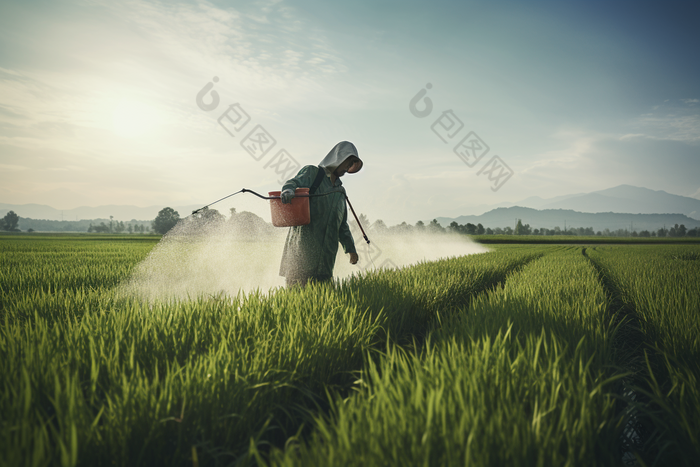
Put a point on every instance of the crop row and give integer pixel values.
(522, 375)
(94, 378)
(659, 288)
(29, 266)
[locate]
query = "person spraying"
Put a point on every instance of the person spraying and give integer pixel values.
(310, 250)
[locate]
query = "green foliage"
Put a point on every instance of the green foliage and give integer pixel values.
(504, 358)
(521, 229)
(165, 220)
(521, 376)
(9, 222)
(106, 379)
(435, 227)
(659, 287)
(578, 240)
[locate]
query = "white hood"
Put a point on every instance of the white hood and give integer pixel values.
(337, 156)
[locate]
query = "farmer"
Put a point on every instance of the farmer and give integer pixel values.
(310, 250)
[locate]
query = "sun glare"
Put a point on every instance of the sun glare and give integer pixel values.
(131, 119)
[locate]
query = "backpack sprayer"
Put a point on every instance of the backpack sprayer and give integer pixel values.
(296, 213)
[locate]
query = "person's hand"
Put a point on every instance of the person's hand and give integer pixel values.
(287, 195)
(353, 258)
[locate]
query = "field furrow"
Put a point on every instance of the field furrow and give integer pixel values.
(658, 287)
(95, 378)
(526, 355)
(521, 376)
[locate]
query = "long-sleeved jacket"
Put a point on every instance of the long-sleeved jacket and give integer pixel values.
(310, 250)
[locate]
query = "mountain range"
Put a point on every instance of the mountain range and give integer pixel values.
(573, 209)
(622, 199)
(568, 218)
(621, 207)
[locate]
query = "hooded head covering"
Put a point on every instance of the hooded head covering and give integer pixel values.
(337, 156)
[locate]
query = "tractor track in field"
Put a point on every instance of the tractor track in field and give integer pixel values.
(629, 348)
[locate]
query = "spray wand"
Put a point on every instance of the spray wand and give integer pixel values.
(245, 190)
(358, 220)
(205, 207)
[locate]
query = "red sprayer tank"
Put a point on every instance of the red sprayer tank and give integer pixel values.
(297, 212)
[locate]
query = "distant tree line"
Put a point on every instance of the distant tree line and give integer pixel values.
(244, 224)
(13, 223)
(119, 227)
(167, 218)
(520, 229)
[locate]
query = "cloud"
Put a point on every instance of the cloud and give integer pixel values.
(73, 66)
(157, 51)
(62, 105)
(671, 127)
(674, 121)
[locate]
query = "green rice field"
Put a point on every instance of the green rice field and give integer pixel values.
(526, 355)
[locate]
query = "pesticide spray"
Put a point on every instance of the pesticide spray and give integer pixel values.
(206, 254)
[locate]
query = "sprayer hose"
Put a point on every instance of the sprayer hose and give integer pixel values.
(245, 190)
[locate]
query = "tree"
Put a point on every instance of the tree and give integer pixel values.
(165, 220)
(420, 226)
(364, 220)
(208, 217)
(10, 221)
(435, 227)
(402, 228)
(480, 229)
(379, 226)
(102, 228)
(521, 229)
(355, 228)
(672, 231)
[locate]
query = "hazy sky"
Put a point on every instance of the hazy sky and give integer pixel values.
(98, 100)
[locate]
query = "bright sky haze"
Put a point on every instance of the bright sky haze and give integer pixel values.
(177, 103)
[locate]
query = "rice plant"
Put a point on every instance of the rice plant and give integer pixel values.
(521, 376)
(93, 377)
(659, 285)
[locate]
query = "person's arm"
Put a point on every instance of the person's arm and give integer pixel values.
(304, 179)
